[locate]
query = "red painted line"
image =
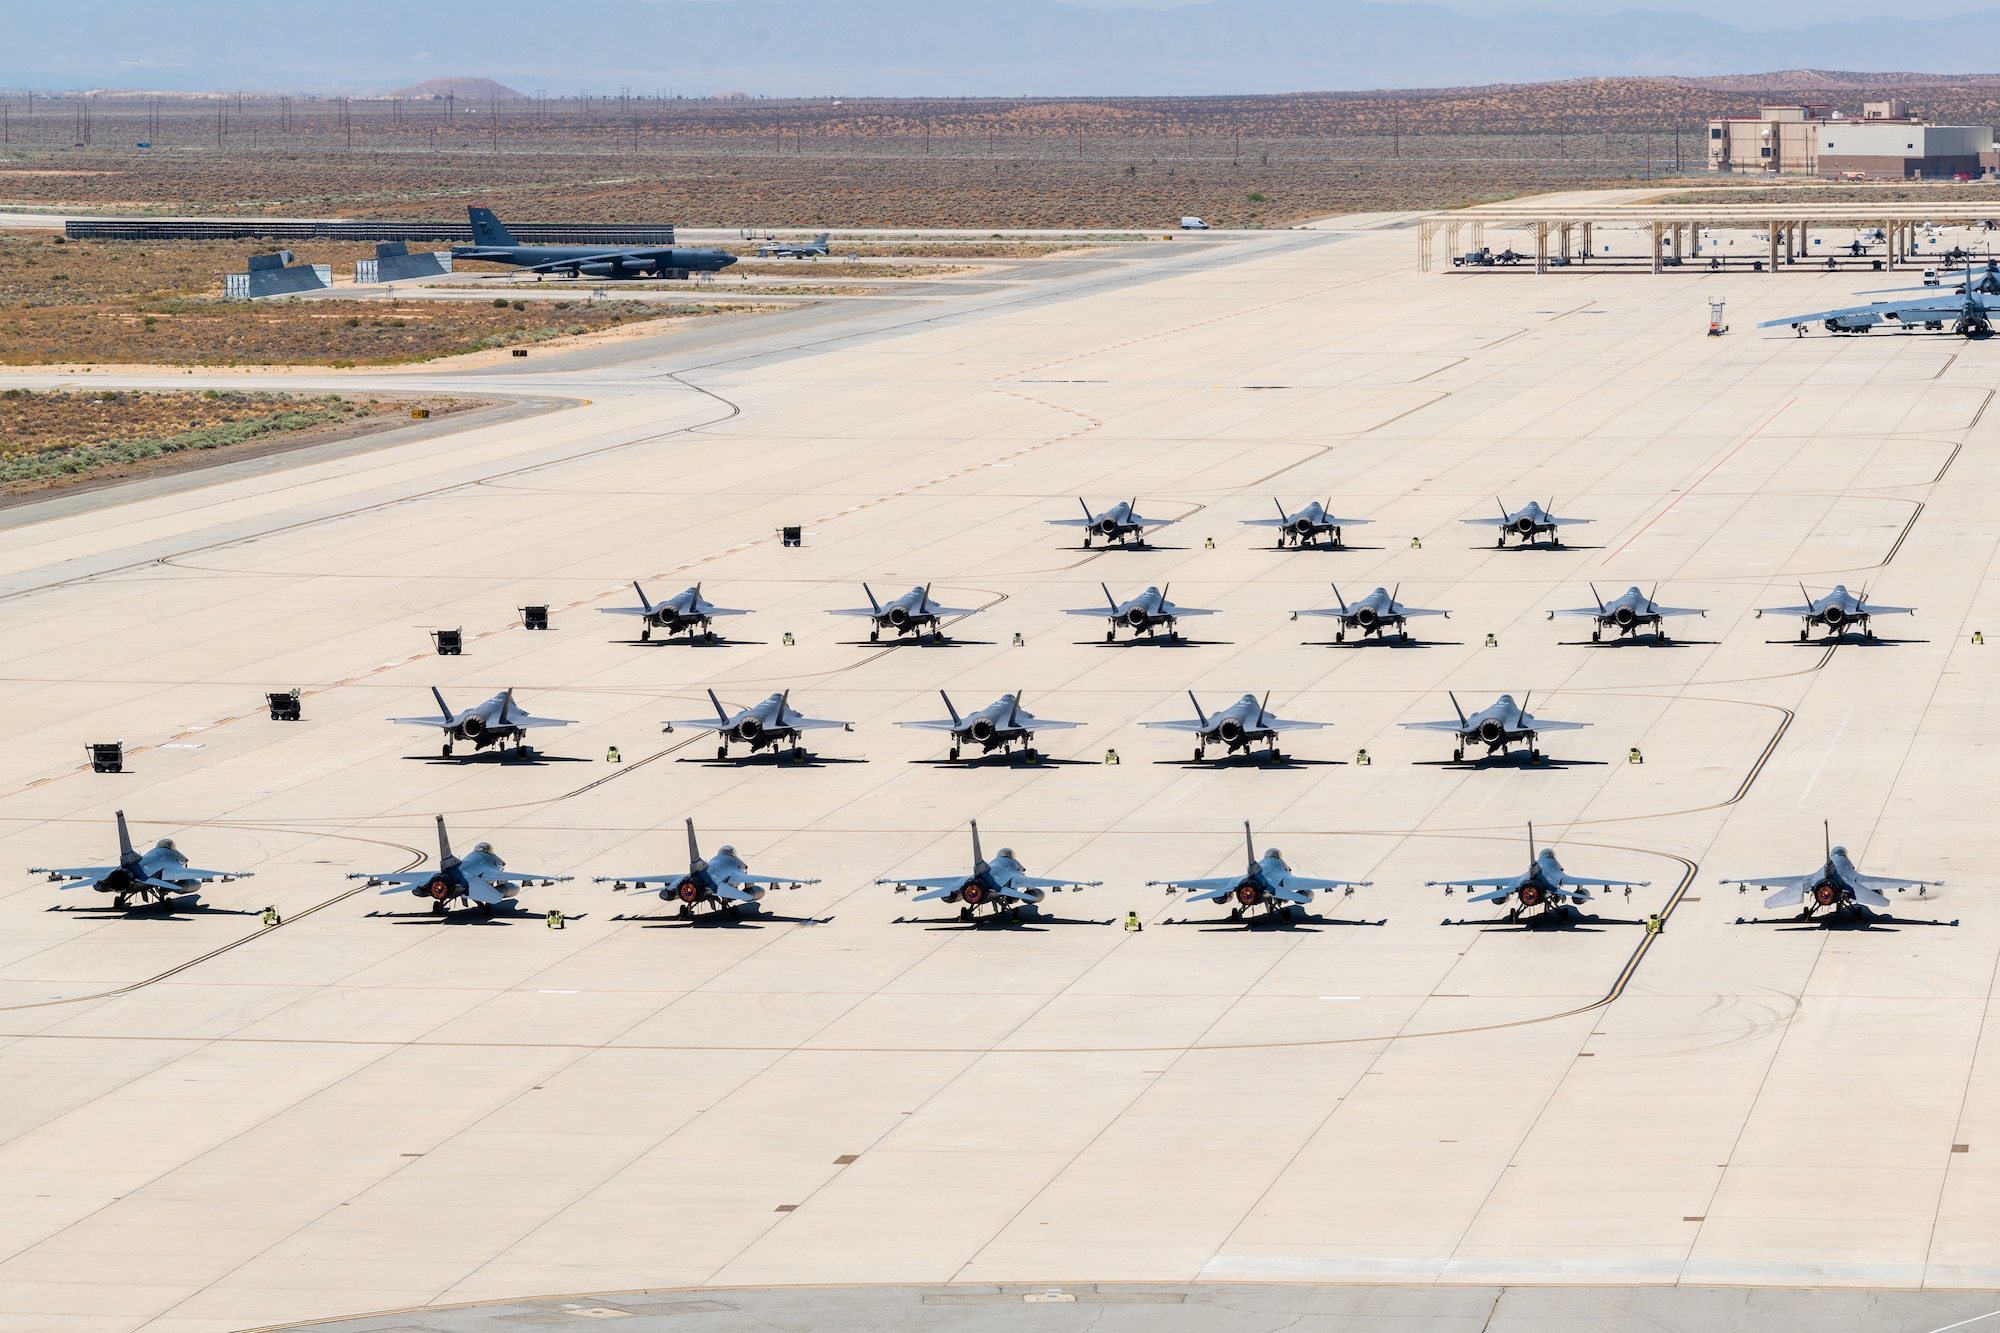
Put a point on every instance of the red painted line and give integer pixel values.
(1699, 480)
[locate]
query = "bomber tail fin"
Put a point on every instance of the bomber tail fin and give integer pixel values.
(487, 229)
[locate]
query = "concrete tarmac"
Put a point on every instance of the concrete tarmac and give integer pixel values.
(213, 1125)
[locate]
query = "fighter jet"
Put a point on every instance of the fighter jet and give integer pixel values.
(1143, 614)
(768, 724)
(725, 883)
(1497, 726)
(1237, 727)
(1305, 527)
(1117, 523)
(1000, 886)
(1971, 309)
(998, 726)
(813, 249)
(481, 879)
(1838, 611)
(155, 875)
(1628, 613)
(494, 244)
(908, 614)
(1527, 523)
(491, 723)
(1836, 885)
(683, 613)
(1374, 614)
(1544, 885)
(1267, 883)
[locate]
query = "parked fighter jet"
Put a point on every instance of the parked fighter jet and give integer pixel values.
(769, 723)
(1000, 885)
(1267, 883)
(813, 249)
(1527, 523)
(481, 879)
(491, 723)
(494, 244)
(1628, 613)
(1114, 524)
(995, 727)
(1971, 309)
(1545, 885)
(1497, 726)
(155, 875)
(1372, 615)
(1838, 611)
(1237, 727)
(1304, 528)
(1836, 885)
(725, 883)
(683, 613)
(908, 614)
(1142, 614)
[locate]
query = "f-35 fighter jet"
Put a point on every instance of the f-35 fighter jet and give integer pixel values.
(998, 726)
(1115, 524)
(1545, 885)
(1373, 615)
(1835, 885)
(1838, 611)
(912, 613)
(481, 879)
(1142, 614)
(683, 613)
(1237, 727)
(1000, 886)
(725, 883)
(1307, 526)
(1497, 726)
(760, 726)
(1628, 613)
(1527, 523)
(494, 722)
(155, 875)
(1266, 882)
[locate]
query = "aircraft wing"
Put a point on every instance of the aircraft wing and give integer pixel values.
(485, 891)
(189, 872)
(701, 724)
(1455, 728)
(524, 722)
(1488, 522)
(1507, 890)
(1200, 888)
(1533, 723)
(1508, 882)
(797, 723)
(398, 882)
(1321, 885)
(1800, 882)
(940, 724)
(1418, 611)
(1070, 522)
(868, 611)
(1284, 724)
(1324, 611)
(933, 888)
(707, 610)
(935, 610)
(1092, 611)
(1134, 521)
(1879, 882)
(515, 877)
(1869, 608)
(772, 880)
(1178, 724)
(668, 881)
(623, 611)
(1265, 522)
(1551, 520)
(1903, 312)
(628, 255)
(1031, 882)
(1581, 611)
(1587, 882)
(1027, 723)
(435, 720)
(169, 885)
(733, 894)
(1171, 610)
(1787, 611)
(1677, 611)
(77, 872)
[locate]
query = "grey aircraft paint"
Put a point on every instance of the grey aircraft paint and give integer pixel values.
(684, 613)
(155, 875)
(494, 722)
(1144, 614)
(1836, 886)
(1836, 613)
(1001, 886)
(1000, 725)
(1247, 722)
(1501, 724)
(1374, 615)
(724, 882)
(1307, 526)
(1267, 882)
(1527, 523)
(1544, 889)
(765, 725)
(1631, 612)
(494, 244)
(480, 878)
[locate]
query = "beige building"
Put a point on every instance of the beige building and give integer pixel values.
(1884, 143)
(1778, 139)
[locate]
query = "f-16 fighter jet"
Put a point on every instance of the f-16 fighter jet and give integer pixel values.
(155, 875)
(1501, 724)
(1629, 613)
(1115, 524)
(725, 883)
(1237, 727)
(998, 726)
(1374, 614)
(813, 249)
(494, 722)
(1305, 527)
(1527, 524)
(683, 613)
(1000, 886)
(1545, 885)
(1971, 309)
(911, 613)
(760, 726)
(1267, 883)
(1835, 885)
(481, 879)
(1838, 611)
(1142, 615)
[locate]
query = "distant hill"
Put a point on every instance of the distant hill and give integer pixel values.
(464, 90)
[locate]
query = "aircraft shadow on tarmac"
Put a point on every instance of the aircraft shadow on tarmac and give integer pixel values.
(1382, 643)
(1262, 761)
(1635, 641)
(1840, 921)
(184, 909)
(1153, 640)
(1844, 641)
(922, 641)
(535, 759)
(683, 641)
(1033, 921)
(774, 759)
(1007, 761)
(1109, 547)
(1267, 921)
(1567, 921)
(1520, 761)
(467, 916)
(1536, 546)
(710, 920)
(1323, 546)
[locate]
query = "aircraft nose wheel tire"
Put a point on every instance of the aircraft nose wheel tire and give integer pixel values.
(1457, 756)
(722, 752)
(645, 636)
(874, 636)
(1597, 636)
(437, 908)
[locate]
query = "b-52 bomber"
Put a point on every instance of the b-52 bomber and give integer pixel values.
(1142, 614)
(1266, 882)
(492, 243)
(1237, 727)
(911, 613)
(998, 726)
(1544, 885)
(481, 879)
(1838, 612)
(1970, 310)
(1528, 523)
(765, 725)
(1000, 886)
(1373, 615)
(1497, 726)
(1116, 524)
(1306, 527)
(494, 722)
(1628, 613)
(683, 613)
(155, 875)
(725, 883)
(1836, 885)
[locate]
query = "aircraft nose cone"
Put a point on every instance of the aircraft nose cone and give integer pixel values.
(727, 260)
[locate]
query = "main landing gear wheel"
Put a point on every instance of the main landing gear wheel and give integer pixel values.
(1534, 756)
(485, 909)
(1597, 636)
(437, 907)
(1111, 636)
(722, 752)
(1457, 756)
(1031, 755)
(954, 754)
(1403, 637)
(686, 912)
(445, 753)
(1804, 635)
(965, 914)
(874, 636)
(1198, 755)
(709, 636)
(1340, 636)
(646, 634)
